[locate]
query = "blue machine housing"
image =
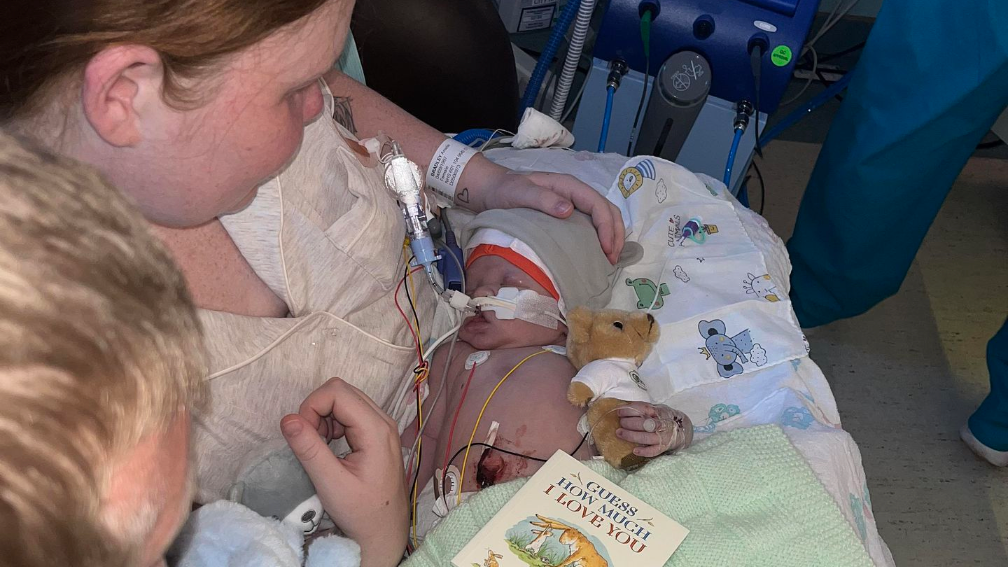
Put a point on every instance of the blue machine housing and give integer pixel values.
(723, 31)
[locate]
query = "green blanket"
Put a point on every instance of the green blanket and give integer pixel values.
(747, 497)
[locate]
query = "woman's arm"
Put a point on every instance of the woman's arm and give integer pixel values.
(483, 184)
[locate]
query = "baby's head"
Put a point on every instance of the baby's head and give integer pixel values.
(560, 260)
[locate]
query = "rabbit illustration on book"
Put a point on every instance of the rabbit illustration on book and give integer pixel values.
(491, 560)
(582, 551)
(536, 544)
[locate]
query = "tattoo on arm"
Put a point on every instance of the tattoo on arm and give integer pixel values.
(343, 114)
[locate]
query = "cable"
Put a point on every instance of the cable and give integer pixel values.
(808, 107)
(451, 347)
(546, 58)
(416, 320)
(432, 347)
(835, 16)
(832, 21)
(465, 460)
(646, 40)
(610, 94)
(762, 187)
(574, 101)
(506, 452)
(756, 62)
(815, 67)
(458, 409)
(826, 83)
(731, 156)
(572, 60)
(831, 56)
(416, 338)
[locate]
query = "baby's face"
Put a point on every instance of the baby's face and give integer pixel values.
(484, 331)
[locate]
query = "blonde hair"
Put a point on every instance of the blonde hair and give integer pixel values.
(45, 41)
(99, 346)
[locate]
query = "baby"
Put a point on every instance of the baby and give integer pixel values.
(518, 422)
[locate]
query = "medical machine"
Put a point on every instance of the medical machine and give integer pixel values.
(691, 81)
(527, 15)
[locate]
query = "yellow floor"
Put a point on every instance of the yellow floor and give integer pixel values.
(907, 374)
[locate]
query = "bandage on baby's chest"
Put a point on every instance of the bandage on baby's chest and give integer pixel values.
(446, 169)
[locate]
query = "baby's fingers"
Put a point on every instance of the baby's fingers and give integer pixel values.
(649, 451)
(637, 409)
(635, 423)
(639, 437)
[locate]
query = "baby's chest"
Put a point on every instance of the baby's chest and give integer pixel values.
(533, 394)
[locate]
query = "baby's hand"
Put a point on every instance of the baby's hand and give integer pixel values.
(657, 429)
(364, 492)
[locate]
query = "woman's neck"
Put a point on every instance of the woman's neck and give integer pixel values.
(218, 276)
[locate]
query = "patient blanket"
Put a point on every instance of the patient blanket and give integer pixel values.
(716, 278)
(747, 497)
(723, 308)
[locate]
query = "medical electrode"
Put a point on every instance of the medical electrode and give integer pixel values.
(405, 180)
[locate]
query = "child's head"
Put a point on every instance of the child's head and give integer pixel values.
(101, 359)
(561, 260)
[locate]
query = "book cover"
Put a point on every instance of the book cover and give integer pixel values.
(568, 516)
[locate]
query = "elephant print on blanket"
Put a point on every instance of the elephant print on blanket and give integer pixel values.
(729, 353)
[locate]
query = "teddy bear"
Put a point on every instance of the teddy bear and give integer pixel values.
(607, 347)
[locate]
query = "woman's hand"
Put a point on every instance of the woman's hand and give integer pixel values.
(491, 186)
(657, 429)
(363, 492)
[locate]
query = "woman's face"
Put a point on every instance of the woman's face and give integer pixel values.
(197, 164)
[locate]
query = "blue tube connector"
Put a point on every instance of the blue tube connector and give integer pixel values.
(610, 93)
(731, 157)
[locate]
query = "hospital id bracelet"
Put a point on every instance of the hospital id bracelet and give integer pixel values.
(446, 169)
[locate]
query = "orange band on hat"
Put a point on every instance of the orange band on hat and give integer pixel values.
(521, 262)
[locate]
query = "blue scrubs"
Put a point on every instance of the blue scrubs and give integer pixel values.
(932, 79)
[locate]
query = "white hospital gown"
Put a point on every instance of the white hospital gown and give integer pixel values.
(327, 237)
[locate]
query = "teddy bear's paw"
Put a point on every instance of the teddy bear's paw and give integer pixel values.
(579, 394)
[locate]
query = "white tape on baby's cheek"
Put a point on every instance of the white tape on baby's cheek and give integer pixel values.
(446, 169)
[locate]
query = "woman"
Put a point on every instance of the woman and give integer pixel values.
(197, 110)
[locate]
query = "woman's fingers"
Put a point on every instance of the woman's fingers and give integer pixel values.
(605, 216)
(558, 195)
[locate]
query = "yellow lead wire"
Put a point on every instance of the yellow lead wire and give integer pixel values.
(458, 497)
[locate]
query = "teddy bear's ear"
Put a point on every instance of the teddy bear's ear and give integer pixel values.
(579, 322)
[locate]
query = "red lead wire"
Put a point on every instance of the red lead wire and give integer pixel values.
(451, 431)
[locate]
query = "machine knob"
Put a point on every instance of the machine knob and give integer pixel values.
(685, 78)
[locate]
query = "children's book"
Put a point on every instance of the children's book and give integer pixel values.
(568, 516)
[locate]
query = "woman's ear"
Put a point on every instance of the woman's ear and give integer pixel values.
(118, 82)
